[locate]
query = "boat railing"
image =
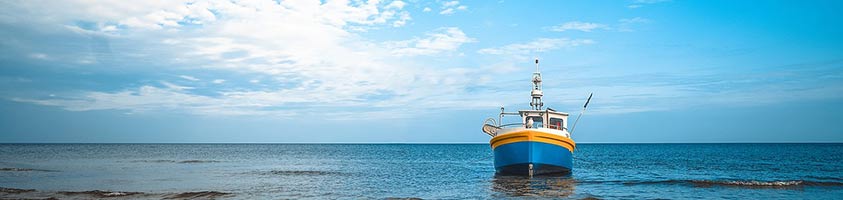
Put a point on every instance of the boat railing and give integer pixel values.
(511, 124)
(500, 118)
(557, 127)
(491, 126)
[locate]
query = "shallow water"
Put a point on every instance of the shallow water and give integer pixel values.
(242, 171)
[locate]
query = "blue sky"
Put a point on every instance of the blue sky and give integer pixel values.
(417, 71)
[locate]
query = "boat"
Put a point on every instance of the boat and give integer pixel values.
(536, 144)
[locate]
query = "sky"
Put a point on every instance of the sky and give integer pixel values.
(417, 71)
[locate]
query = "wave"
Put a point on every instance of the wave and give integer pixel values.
(14, 193)
(786, 184)
(198, 195)
(11, 169)
(198, 161)
(177, 161)
(303, 172)
(14, 190)
(768, 183)
(100, 193)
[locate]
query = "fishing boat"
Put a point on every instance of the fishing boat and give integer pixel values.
(536, 144)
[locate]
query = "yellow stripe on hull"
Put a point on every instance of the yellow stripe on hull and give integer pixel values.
(532, 135)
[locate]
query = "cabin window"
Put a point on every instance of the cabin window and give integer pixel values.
(556, 123)
(536, 122)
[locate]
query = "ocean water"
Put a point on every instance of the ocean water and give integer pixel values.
(427, 171)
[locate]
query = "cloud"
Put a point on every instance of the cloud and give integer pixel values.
(633, 20)
(190, 78)
(641, 92)
(640, 3)
(297, 58)
(440, 40)
(39, 56)
(524, 50)
(626, 24)
(155, 15)
(580, 26)
(450, 7)
(623, 25)
(149, 98)
(175, 87)
(288, 56)
(426, 9)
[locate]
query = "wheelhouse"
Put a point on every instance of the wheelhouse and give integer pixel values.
(544, 119)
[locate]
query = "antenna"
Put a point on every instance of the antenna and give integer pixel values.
(536, 94)
(581, 112)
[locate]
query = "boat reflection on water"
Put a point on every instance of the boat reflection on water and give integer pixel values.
(541, 186)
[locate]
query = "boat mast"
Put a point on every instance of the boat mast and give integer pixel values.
(537, 103)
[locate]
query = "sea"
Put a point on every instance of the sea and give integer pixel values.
(414, 171)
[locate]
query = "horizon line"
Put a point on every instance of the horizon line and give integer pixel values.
(421, 143)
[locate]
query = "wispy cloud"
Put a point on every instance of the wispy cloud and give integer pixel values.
(39, 56)
(623, 25)
(153, 99)
(641, 3)
(190, 78)
(312, 59)
(627, 24)
(614, 94)
(304, 57)
(450, 7)
(579, 26)
(440, 40)
(524, 50)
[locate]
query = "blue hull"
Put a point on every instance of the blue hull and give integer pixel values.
(515, 158)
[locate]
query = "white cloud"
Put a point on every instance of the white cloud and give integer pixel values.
(296, 58)
(441, 40)
(450, 3)
(403, 17)
(305, 57)
(190, 78)
(309, 46)
(426, 9)
(640, 3)
(39, 56)
(155, 15)
(633, 20)
(396, 5)
(535, 46)
(175, 87)
(577, 25)
(450, 7)
(152, 99)
(623, 25)
(626, 24)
